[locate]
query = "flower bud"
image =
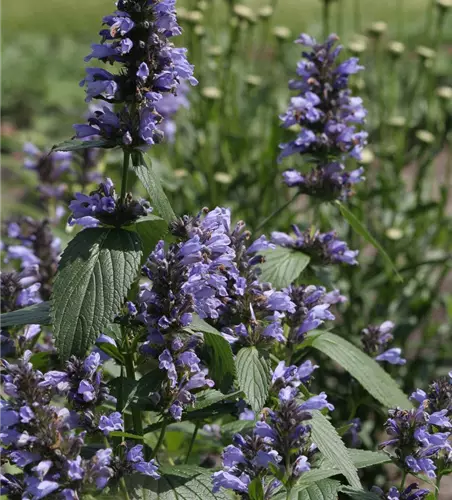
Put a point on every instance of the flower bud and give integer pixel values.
(377, 29)
(358, 45)
(244, 13)
(367, 156)
(265, 12)
(425, 136)
(223, 177)
(394, 233)
(211, 93)
(254, 80)
(200, 31)
(397, 121)
(396, 49)
(444, 93)
(425, 53)
(282, 33)
(194, 17)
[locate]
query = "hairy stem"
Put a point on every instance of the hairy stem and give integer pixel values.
(130, 371)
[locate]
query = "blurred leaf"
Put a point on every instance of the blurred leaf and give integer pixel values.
(282, 266)
(333, 448)
(76, 144)
(40, 361)
(126, 435)
(151, 182)
(37, 314)
(366, 370)
(94, 275)
(253, 376)
(362, 231)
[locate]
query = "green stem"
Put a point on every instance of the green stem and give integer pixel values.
(160, 440)
(402, 482)
(192, 442)
(438, 481)
(125, 172)
(130, 371)
(276, 212)
(123, 487)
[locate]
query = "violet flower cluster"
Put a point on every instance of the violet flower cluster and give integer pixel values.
(104, 206)
(47, 443)
(280, 439)
(412, 492)
(420, 438)
(137, 37)
(375, 340)
(327, 115)
(323, 248)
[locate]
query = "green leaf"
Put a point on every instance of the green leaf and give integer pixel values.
(360, 459)
(94, 274)
(76, 144)
(112, 351)
(151, 229)
(126, 435)
(366, 458)
(359, 494)
(221, 363)
(151, 182)
(253, 376)
(329, 442)
(367, 371)
(37, 314)
(209, 397)
(256, 490)
(359, 227)
(326, 489)
(175, 484)
(237, 426)
(282, 266)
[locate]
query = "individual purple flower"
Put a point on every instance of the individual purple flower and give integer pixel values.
(375, 340)
(136, 459)
(152, 70)
(110, 423)
(327, 115)
(324, 248)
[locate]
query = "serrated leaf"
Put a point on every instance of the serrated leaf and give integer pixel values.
(367, 371)
(209, 397)
(360, 459)
(329, 442)
(173, 485)
(152, 184)
(221, 363)
(253, 376)
(326, 489)
(367, 458)
(359, 494)
(37, 314)
(94, 275)
(76, 144)
(359, 227)
(151, 229)
(282, 266)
